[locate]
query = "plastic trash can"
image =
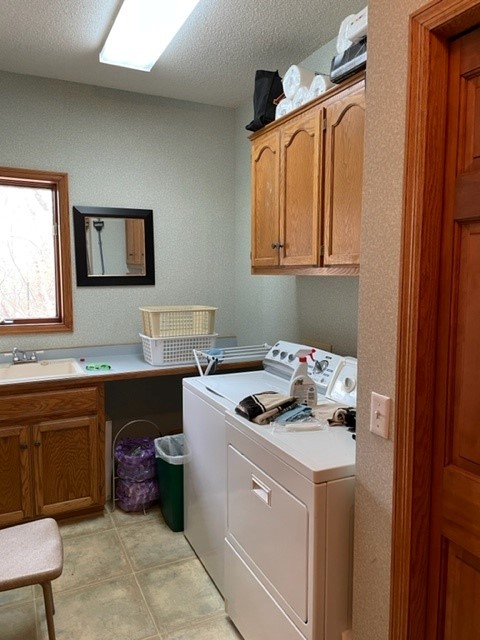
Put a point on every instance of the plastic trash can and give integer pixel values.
(170, 457)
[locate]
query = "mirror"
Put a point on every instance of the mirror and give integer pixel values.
(113, 246)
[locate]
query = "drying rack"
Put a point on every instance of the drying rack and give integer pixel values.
(207, 361)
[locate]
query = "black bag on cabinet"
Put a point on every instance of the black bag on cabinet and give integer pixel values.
(268, 87)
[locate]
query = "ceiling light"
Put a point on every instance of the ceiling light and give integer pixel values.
(142, 31)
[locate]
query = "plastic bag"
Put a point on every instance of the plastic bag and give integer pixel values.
(136, 496)
(171, 449)
(135, 459)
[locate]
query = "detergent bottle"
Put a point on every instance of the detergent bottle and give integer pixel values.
(302, 386)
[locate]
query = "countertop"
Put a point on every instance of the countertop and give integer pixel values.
(126, 362)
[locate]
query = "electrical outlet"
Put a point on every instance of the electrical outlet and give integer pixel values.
(379, 415)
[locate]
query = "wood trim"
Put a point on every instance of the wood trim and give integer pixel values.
(430, 29)
(307, 271)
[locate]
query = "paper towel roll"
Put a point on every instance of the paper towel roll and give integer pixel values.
(283, 107)
(301, 97)
(319, 85)
(294, 78)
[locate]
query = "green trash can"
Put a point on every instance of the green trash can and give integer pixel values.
(169, 458)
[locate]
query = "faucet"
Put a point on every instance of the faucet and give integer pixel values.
(21, 357)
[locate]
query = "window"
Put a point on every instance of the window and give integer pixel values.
(35, 266)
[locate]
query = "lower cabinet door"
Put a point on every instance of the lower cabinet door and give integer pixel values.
(15, 475)
(251, 608)
(66, 465)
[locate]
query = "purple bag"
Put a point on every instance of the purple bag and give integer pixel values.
(136, 496)
(135, 459)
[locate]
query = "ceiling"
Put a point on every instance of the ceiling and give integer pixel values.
(212, 59)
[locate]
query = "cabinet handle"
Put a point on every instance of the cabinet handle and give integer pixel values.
(261, 490)
(277, 245)
(24, 446)
(37, 444)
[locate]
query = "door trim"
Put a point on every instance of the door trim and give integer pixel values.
(430, 30)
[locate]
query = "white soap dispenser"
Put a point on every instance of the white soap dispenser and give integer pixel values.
(302, 387)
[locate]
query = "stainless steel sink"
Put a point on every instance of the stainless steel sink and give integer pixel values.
(64, 368)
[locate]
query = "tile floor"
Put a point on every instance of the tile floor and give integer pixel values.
(126, 576)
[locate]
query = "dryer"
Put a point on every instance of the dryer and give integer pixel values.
(206, 400)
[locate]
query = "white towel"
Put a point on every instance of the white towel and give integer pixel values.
(283, 107)
(319, 85)
(294, 78)
(301, 97)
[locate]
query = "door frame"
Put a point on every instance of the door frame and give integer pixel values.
(431, 28)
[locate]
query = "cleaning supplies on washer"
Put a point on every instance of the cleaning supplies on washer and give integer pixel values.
(302, 387)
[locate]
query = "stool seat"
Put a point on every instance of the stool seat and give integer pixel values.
(32, 553)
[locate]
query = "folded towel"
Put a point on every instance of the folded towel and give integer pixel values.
(295, 414)
(262, 407)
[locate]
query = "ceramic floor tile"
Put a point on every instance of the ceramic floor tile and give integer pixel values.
(179, 593)
(121, 518)
(93, 524)
(17, 622)
(214, 629)
(90, 558)
(153, 543)
(110, 610)
(16, 595)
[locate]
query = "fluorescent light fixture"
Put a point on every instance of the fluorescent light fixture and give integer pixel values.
(142, 31)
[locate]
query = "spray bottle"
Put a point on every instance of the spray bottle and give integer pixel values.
(302, 386)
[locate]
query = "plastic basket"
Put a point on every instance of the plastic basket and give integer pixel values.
(160, 322)
(158, 351)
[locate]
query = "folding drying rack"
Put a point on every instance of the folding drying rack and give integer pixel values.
(207, 361)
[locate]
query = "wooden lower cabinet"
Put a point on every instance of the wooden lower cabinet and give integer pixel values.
(52, 464)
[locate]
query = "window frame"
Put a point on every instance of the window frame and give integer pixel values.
(58, 183)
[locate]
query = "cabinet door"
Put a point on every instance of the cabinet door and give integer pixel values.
(135, 242)
(15, 475)
(300, 200)
(345, 120)
(66, 465)
(265, 178)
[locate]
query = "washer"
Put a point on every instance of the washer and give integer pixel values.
(206, 399)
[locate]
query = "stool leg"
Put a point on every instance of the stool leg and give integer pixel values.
(49, 608)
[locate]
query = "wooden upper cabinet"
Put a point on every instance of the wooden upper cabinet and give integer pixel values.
(345, 126)
(300, 197)
(265, 198)
(307, 179)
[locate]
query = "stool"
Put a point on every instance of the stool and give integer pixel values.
(32, 553)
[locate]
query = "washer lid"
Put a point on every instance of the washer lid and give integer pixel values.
(343, 385)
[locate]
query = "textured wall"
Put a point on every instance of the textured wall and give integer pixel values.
(378, 306)
(130, 150)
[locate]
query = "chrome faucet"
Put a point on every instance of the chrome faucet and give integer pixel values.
(21, 357)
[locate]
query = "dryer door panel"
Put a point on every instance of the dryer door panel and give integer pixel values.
(271, 525)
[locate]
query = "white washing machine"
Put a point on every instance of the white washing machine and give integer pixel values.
(206, 400)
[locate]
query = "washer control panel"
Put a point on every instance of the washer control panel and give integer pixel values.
(282, 361)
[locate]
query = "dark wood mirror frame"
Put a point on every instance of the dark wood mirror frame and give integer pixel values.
(80, 213)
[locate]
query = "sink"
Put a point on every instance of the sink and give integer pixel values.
(63, 368)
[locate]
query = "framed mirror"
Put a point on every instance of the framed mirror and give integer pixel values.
(113, 246)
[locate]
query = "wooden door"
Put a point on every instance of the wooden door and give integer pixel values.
(265, 211)
(454, 574)
(344, 148)
(300, 194)
(15, 475)
(66, 465)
